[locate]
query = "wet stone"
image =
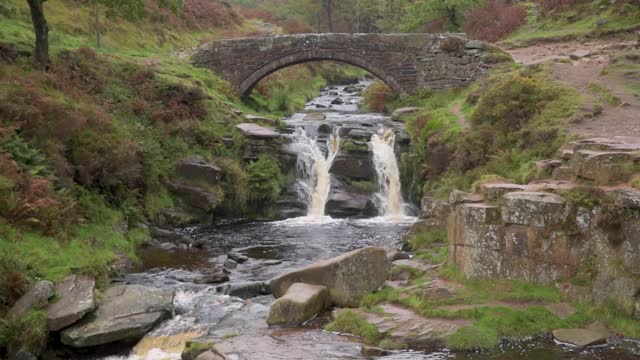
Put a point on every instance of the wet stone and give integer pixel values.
(76, 300)
(533, 209)
(582, 337)
(237, 257)
(301, 303)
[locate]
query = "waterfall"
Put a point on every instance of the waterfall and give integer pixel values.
(314, 180)
(389, 197)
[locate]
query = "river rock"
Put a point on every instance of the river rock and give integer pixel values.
(196, 168)
(300, 303)
(348, 277)
(128, 312)
(237, 257)
(337, 101)
(248, 290)
(582, 337)
(398, 114)
(212, 279)
(37, 297)
(343, 204)
(353, 167)
(211, 355)
(168, 236)
(373, 352)
(76, 300)
(325, 128)
(316, 116)
(257, 131)
(195, 197)
(230, 264)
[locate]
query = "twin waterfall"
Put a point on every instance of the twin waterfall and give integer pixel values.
(314, 177)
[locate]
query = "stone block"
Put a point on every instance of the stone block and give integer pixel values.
(564, 173)
(604, 168)
(479, 214)
(494, 192)
(76, 300)
(460, 197)
(533, 209)
(301, 302)
(430, 208)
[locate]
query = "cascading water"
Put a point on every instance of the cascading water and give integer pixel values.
(314, 180)
(389, 198)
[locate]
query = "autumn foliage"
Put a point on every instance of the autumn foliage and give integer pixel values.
(494, 20)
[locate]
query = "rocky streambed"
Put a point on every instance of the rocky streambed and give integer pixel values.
(213, 284)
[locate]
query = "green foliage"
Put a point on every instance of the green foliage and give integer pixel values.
(28, 334)
(264, 179)
(420, 12)
(30, 159)
(585, 197)
(350, 322)
(425, 239)
(604, 94)
(472, 338)
(391, 345)
(351, 146)
(413, 272)
(438, 256)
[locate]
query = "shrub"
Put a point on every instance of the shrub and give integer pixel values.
(28, 334)
(494, 20)
(294, 26)
(13, 283)
(560, 5)
(377, 96)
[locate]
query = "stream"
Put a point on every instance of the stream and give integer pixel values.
(238, 325)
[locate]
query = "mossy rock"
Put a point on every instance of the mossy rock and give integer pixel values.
(195, 349)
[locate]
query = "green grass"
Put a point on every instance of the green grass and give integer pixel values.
(425, 239)
(604, 94)
(625, 67)
(350, 322)
(28, 334)
(579, 21)
(437, 256)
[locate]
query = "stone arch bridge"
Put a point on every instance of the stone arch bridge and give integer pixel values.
(405, 62)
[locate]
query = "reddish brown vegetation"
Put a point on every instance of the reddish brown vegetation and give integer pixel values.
(377, 96)
(296, 27)
(252, 13)
(494, 20)
(559, 5)
(195, 15)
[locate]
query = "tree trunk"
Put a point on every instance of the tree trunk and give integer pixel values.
(330, 14)
(41, 29)
(452, 14)
(97, 10)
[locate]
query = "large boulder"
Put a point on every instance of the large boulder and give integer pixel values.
(37, 297)
(128, 312)
(199, 170)
(348, 277)
(76, 300)
(301, 303)
(353, 167)
(195, 197)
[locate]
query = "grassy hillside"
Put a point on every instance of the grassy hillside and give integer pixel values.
(88, 147)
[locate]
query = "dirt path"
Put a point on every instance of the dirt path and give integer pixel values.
(581, 66)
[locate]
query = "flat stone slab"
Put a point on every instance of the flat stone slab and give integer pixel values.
(76, 300)
(537, 209)
(128, 312)
(405, 111)
(582, 337)
(316, 116)
(405, 326)
(257, 131)
(301, 303)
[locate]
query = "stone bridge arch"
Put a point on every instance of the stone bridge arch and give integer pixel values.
(405, 62)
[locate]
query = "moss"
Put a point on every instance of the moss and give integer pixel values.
(194, 349)
(389, 344)
(364, 186)
(350, 322)
(350, 146)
